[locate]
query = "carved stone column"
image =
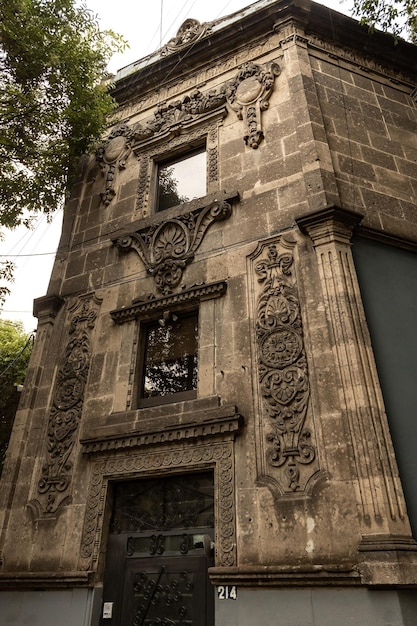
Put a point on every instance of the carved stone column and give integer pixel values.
(381, 505)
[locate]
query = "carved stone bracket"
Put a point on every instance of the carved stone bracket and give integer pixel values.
(166, 248)
(112, 156)
(248, 94)
(65, 414)
(188, 33)
(286, 439)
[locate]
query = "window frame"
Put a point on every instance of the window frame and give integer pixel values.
(179, 396)
(187, 151)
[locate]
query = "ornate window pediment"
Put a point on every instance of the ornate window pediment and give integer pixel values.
(167, 247)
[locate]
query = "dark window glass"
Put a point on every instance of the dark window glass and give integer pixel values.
(181, 180)
(164, 503)
(170, 358)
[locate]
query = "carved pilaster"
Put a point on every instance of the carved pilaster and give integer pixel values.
(53, 488)
(375, 474)
(288, 456)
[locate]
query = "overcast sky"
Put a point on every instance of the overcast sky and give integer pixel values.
(146, 25)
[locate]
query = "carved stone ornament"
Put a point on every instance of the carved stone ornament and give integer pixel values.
(248, 94)
(171, 117)
(189, 32)
(65, 414)
(166, 248)
(112, 156)
(283, 380)
(149, 304)
(136, 464)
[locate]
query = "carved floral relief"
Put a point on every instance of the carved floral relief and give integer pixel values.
(282, 373)
(53, 487)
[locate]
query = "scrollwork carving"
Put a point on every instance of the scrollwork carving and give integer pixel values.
(170, 117)
(188, 33)
(248, 94)
(112, 156)
(65, 413)
(282, 371)
(166, 249)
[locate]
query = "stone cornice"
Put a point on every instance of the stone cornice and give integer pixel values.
(219, 422)
(47, 308)
(143, 308)
(286, 576)
(329, 224)
(41, 580)
(242, 29)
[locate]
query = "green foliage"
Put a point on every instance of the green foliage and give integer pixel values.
(168, 189)
(6, 274)
(398, 17)
(53, 101)
(15, 350)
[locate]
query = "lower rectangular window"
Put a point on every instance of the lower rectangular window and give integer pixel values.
(169, 363)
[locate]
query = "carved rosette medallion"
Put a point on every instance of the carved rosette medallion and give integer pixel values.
(65, 414)
(112, 156)
(248, 94)
(166, 249)
(282, 371)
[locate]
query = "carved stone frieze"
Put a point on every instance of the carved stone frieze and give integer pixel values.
(166, 248)
(218, 455)
(65, 413)
(248, 94)
(188, 33)
(112, 156)
(287, 439)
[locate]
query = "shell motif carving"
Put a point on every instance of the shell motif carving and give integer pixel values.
(167, 248)
(282, 372)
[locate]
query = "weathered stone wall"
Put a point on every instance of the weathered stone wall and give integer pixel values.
(338, 137)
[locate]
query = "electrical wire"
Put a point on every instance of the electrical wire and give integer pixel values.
(30, 338)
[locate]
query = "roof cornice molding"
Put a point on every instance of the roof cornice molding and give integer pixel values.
(253, 24)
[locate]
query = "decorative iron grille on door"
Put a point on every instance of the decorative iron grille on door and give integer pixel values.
(156, 573)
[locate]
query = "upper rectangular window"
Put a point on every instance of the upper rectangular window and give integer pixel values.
(181, 179)
(169, 364)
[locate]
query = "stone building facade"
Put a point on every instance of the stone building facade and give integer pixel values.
(221, 390)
